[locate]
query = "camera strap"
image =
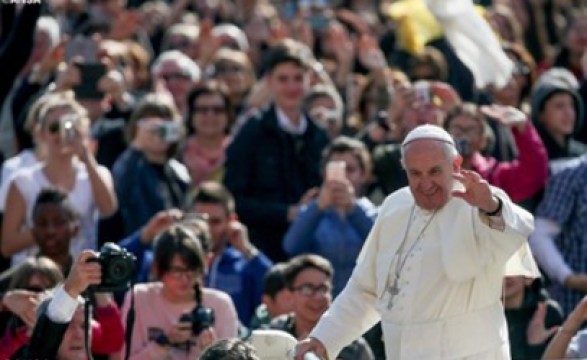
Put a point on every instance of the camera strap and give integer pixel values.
(130, 320)
(87, 311)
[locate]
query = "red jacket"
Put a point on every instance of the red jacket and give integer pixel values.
(523, 177)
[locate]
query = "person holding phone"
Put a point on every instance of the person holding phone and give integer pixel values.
(336, 223)
(69, 164)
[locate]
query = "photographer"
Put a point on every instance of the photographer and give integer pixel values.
(58, 333)
(176, 318)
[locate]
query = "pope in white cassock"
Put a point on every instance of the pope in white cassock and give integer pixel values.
(432, 267)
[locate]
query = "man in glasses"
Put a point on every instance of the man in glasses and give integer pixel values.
(309, 279)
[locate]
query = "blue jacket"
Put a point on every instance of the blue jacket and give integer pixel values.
(230, 272)
(327, 234)
(143, 188)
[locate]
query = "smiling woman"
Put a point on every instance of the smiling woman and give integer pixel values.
(209, 119)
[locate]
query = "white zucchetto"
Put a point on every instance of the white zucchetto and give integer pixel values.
(427, 131)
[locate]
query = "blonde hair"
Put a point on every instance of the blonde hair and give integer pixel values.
(63, 101)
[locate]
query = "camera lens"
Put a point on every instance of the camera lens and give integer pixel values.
(119, 269)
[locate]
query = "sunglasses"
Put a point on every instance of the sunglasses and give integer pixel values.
(175, 76)
(54, 127)
(216, 110)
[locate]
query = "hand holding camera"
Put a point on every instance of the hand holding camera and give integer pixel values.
(84, 273)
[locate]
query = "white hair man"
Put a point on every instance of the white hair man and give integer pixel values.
(431, 269)
(175, 73)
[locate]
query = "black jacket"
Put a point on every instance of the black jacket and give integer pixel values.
(519, 319)
(268, 170)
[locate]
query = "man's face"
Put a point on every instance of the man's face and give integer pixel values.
(430, 173)
(465, 128)
(312, 294)
(53, 230)
(218, 221)
(73, 345)
(177, 81)
(288, 82)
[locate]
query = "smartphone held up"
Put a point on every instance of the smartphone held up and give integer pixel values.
(336, 170)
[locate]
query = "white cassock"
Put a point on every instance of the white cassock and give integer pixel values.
(449, 303)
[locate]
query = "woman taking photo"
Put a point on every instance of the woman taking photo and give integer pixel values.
(69, 165)
(146, 176)
(173, 314)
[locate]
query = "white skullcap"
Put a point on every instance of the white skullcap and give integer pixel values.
(427, 131)
(273, 344)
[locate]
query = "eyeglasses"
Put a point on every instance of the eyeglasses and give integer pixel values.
(178, 273)
(175, 76)
(216, 110)
(228, 69)
(311, 290)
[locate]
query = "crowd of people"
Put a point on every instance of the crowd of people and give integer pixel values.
(242, 152)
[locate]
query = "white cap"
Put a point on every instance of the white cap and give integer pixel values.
(273, 344)
(427, 131)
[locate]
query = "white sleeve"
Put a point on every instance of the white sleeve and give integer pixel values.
(546, 252)
(62, 307)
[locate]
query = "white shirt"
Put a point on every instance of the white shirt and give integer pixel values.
(288, 126)
(24, 159)
(30, 181)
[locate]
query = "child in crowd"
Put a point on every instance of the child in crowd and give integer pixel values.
(276, 298)
(337, 222)
(166, 310)
(309, 279)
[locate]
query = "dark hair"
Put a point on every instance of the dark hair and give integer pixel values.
(178, 240)
(152, 105)
(430, 57)
(211, 192)
(274, 280)
(343, 144)
(230, 349)
(58, 197)
(307, 261)
(465, 109)
(287, 51)
(210, 87)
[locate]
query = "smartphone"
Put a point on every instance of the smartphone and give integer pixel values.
(90, 74)
(463, 146)
(82, 46)
(422, 92)
(336, 170)
(67, 127)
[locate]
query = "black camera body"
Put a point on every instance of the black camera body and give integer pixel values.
(201, 318)
(118, 268)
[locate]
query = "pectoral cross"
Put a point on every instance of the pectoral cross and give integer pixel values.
(393, 291)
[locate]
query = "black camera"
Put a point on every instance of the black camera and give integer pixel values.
(201, 318)
(118, 268)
